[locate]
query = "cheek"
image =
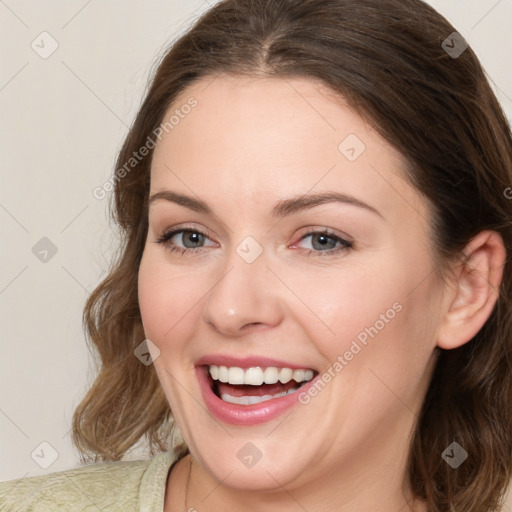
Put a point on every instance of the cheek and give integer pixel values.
(375, 312)
(393, 365)
(166, 299)
(337, 305)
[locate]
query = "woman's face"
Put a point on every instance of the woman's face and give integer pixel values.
(267, 276)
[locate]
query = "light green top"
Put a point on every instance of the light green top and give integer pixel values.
(123, 486)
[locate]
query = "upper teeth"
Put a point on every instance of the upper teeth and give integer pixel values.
(257, 375)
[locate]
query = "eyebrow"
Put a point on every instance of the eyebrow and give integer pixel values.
(283, 207)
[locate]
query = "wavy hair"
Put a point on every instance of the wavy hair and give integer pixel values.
(390, 60)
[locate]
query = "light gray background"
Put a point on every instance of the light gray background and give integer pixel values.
(63, 120)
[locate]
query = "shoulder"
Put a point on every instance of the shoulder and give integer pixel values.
(124, 486)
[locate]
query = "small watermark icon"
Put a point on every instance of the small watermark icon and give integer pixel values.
(44, 455)
(44, 250)
(454, 455)
(249, 455)
(352, 147)
(249, 249)
(44, 45)
(508, 193)
(147, 352)
(454, 45)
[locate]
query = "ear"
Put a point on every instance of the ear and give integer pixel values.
(474, 290)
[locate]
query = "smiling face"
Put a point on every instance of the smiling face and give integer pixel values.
(343, 289)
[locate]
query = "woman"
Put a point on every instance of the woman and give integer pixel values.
(313, 284)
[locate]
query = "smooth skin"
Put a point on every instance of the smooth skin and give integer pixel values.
(250, 143)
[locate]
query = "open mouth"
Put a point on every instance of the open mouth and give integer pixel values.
(248, 386)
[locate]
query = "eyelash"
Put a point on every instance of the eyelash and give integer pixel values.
(165, 238)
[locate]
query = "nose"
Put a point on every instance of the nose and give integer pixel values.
(245, 297)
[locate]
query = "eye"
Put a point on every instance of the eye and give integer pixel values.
(191, 238)
(324, 243)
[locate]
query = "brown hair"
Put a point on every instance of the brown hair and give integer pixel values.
(386, 57)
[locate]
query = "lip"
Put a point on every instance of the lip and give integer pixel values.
(246, 362)
(246, 415)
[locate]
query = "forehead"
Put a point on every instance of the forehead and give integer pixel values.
(269, 138)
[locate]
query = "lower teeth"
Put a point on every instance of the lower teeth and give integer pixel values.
(249, 400)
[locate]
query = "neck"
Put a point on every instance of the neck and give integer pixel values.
(216, 497)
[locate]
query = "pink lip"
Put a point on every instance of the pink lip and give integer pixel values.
(246, 415)
(246, 362)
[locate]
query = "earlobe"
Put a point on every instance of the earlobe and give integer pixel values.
(475, 290)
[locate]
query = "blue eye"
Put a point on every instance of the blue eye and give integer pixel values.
(195, 238)
(325, 242)
(325, 239)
